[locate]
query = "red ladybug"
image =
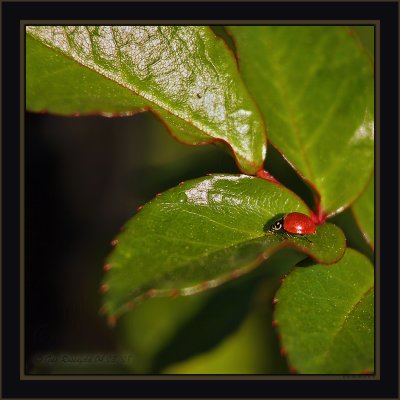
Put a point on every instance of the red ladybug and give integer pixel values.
(294, 224)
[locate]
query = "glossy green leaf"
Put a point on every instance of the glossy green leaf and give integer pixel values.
(363, 210)
(325, 315)
(314, 86)
(203, 233)
(185, 74)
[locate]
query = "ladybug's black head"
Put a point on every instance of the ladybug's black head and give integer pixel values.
(277, 226)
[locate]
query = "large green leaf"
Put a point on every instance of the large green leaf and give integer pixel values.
(314, 86)
(203, 233)
(363, 210)
(186, 75)
(325, 316)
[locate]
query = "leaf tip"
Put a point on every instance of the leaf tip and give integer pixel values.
(205, 285)
(106, 267)
(236, 273)
(293, 370)
(283, 352)
(263, 174)
(151, 293)
(129, 306)
(104, 288)
(112, 321)
(103, 310)
(367, 371)
(174, 293)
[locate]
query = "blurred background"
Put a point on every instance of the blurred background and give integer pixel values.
(84, 177)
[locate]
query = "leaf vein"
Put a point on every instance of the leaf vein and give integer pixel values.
(342, 324)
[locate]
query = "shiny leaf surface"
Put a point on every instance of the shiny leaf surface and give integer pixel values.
(325, 315)
(186, 75)
(203, 233)
(314, 86)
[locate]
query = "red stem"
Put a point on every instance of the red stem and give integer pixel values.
(263, 174)
(318, 217)
(321, 216)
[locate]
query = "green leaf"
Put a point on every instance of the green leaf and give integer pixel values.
(252, 348)
(365, 36)
(164, 331)
(148, 329)
(363, 210)
(354, 237)
(185, 74)
(325, 316)
(203, 233)
(314, 86)
(247, 351)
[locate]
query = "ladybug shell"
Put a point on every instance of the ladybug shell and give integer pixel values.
(298, 223)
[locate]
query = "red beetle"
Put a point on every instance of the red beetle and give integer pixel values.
(294, 224)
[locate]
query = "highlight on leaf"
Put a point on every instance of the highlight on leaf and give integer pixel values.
(203, 233)
(182, 73)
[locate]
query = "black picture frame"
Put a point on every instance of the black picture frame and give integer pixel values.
(14, 385)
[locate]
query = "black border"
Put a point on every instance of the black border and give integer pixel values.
(388, 15)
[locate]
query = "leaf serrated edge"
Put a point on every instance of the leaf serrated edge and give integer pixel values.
(283, 350)
(213, 283)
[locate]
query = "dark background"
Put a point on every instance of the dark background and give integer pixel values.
(84, 177)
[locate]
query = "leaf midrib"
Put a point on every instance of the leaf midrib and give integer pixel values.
(140, 291)
(279, 84)
(130, 88)
(342, 324)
